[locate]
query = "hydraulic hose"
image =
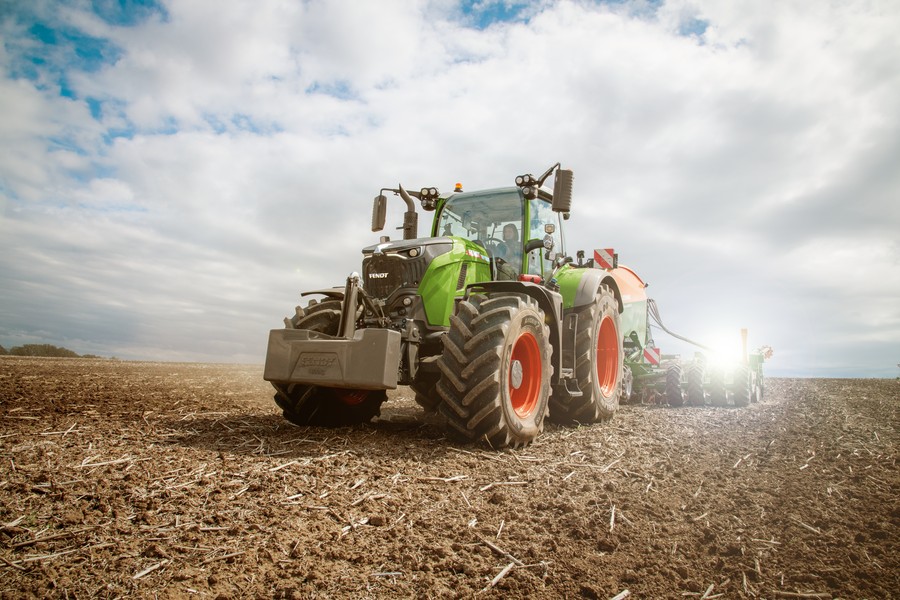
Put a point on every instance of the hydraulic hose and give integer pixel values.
(653, 312)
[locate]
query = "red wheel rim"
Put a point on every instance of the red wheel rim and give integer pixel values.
(527, 355)
(607, 356)
(351, 397)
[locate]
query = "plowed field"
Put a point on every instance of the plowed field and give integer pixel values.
(182, 480)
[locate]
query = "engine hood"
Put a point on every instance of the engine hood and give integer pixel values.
(424, 245)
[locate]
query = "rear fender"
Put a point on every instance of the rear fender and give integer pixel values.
(579, 285)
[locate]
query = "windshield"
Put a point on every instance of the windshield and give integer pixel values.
(495, 221)
(481, 217)
(491, 219)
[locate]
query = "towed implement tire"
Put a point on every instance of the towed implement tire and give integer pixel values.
(674, 393)
(758, 389)
(695, 374)
(718, 396)
(740, 387)
(495, 370)
(323, 406)
(599, 363)
(627, 386)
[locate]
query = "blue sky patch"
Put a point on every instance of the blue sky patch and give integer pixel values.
(127, 13)
(483, 13)
(693, 26)
(337, 89)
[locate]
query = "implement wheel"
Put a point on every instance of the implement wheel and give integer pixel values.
(323, 406)
(740, 386)
(695, 374)
(674, 393)
(718, 396)
(627, 393)
(599, 361)
(495, 370)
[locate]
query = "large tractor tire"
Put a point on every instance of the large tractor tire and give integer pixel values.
(674, 393)
(695, 373)
(740, 387)
(495, 370)
(323, 406)
(599, 361)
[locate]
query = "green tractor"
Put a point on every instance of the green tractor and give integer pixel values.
(488, 320)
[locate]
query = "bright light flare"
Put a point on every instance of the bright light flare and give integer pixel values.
(725, 350)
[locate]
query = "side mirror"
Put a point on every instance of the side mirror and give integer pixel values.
(379, 212)
(562, 190)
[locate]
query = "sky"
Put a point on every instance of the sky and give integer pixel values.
(174, 173)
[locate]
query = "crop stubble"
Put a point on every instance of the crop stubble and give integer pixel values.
(182, 480)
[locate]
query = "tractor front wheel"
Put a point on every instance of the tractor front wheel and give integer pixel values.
(495, 370)
(425, 388)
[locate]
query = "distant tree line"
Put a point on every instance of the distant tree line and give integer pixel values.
(43, 350)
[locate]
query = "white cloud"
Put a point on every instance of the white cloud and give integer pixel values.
(238, 147)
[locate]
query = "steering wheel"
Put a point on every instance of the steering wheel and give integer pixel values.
(495, 244)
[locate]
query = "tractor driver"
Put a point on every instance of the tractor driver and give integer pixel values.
(508, 253)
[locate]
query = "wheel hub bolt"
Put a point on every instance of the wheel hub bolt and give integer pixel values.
(516, 374)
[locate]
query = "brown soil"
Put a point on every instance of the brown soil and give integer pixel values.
(182, 480)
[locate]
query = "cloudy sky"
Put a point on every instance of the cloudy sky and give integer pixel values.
(174, 173)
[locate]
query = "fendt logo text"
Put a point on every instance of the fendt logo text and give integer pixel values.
(377, 275)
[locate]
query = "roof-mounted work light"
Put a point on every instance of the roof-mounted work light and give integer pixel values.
(429, 197)
(528, 184)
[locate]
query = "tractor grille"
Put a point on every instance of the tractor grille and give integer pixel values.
(461, 281)
(383, 274)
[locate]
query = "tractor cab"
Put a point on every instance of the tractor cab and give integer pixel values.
(520, 235)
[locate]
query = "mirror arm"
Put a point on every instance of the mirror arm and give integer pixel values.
(534, 244)
(546, 174)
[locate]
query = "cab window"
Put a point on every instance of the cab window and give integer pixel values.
(493, 220)
(540, 214)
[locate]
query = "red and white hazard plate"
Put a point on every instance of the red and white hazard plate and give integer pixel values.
(603, 258)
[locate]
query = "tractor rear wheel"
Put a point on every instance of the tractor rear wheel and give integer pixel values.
(599, 363)
(495, 370)
(323, 406)
(674, 393)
